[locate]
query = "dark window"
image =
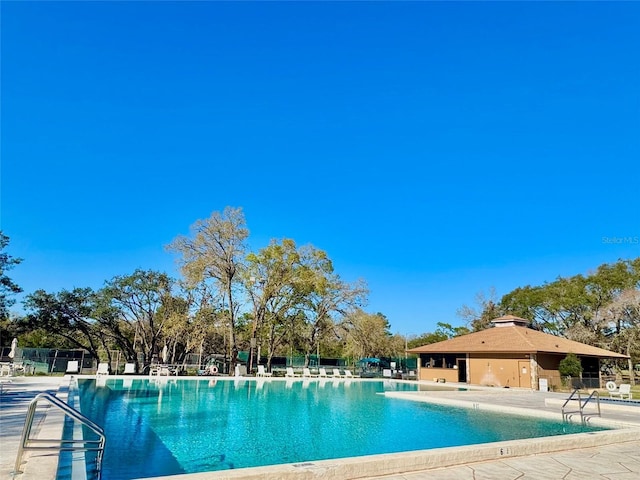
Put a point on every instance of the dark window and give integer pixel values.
(440, 360)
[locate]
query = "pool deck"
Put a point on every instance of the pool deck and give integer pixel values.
(611, 454)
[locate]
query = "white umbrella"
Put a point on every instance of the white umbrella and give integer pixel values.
(165, 354)
(14, 345)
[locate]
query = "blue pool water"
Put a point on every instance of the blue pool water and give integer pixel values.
(170, 427)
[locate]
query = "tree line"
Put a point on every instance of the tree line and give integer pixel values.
(287, 300)
(601, 308)
(282, 300)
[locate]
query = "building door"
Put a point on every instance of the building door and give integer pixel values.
(462, 370)
(524, 373)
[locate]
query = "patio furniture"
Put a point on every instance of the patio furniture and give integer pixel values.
(624, 392)
(262, 372)
(72, 366)
(103, 369)
(5, 369)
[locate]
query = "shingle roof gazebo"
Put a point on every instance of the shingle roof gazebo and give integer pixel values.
(508, 355)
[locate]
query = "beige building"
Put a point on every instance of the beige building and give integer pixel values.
(508, 355)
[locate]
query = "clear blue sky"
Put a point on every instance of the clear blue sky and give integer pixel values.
(433, 149)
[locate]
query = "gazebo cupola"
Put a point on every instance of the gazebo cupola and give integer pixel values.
(510, 321)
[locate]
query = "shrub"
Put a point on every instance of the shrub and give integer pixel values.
(570, 366)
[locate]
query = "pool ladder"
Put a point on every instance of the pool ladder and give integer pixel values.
(566, 415)
(79, 445)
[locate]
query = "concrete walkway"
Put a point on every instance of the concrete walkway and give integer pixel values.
(548, 405)
(14, 402)
(619, 460)
(613, 454)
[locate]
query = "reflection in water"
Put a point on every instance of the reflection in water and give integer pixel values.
(185, 426)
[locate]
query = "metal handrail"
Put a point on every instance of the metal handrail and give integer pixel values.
(565, 415)
(60, 445)
(597, 395)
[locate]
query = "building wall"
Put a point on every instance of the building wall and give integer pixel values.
(501, 370)
(433, 374)
(548, 368)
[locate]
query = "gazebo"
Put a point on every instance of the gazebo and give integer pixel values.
(510, 354)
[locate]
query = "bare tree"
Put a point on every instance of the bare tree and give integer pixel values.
(214, 252)
(479, 317)
(368, 335)
(8, 287)
(327, 297)
(623, 315)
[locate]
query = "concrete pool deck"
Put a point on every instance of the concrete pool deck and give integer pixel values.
(612, 454)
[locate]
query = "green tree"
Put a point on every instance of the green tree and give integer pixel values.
(70, 314)
(274, 283)
(578, 307)
(135, 311)
(529, 302)
(426, 339)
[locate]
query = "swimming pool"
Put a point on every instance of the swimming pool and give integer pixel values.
(171, 427)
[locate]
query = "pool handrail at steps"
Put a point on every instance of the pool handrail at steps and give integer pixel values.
(566, 415)
(73, 445)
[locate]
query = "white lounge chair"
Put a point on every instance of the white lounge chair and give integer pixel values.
(262, 372)
(323, 372)
(336, 373)
(5, 369)
(72, 366)
(103, 369)
(129, 368)
(624, 392)
(17, 368)
(348, 374)
(306, 372)
(290, 372)
(386, 373)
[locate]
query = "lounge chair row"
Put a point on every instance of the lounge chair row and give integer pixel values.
(322, 372)
(73, 366)
(306, 372)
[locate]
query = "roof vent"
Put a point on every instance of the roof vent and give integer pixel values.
(510, 321)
